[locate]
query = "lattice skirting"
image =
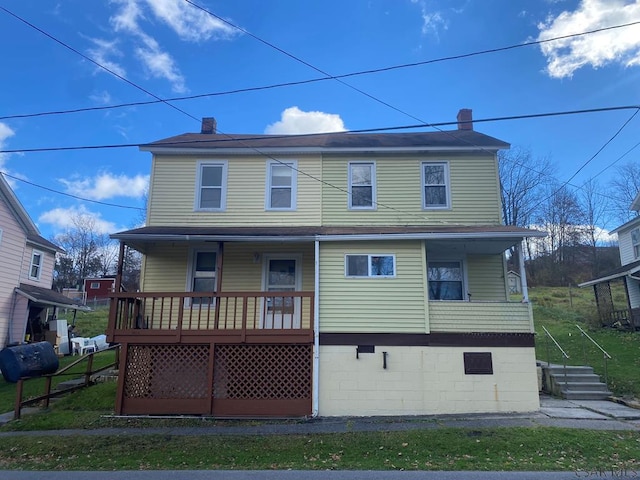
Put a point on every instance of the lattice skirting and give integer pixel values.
(240, 380)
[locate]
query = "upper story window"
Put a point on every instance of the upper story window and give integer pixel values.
(94, 285)
(446, 280)
(203, 274)
(362, 185)
(36, 265)
(281, 185)
(211, 188)
(368, 265)
(635, 241)
(435, 185)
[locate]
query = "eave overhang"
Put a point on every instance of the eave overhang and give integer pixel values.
(46, 297)
(624, 271)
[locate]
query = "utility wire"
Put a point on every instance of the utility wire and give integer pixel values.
(313, 80)
(99, 65)
(69, 194)
(350, 132)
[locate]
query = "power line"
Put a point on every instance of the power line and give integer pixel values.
(99, 65)
(312, 80)
(69, 194)
(365, 130)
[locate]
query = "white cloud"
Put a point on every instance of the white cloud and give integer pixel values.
(106, 185)
(619, 46)
(62, 219)
(102, 53)
(160, 64)
(5, 133)
(189, 22)
(295, 121)
(432, 20)
(102, 98)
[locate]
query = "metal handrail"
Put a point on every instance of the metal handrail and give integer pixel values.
(565, 356)
(605, 355)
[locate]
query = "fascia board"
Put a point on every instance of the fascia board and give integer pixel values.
(310, 150)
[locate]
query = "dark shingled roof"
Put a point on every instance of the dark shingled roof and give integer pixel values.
(46, 296)
(465, 139)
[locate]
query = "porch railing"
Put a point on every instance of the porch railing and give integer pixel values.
(149, 313)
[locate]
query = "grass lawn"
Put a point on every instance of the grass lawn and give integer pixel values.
(442, 449)
(560, 310)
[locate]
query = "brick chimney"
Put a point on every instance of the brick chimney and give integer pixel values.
(465, 119)
(209, 125)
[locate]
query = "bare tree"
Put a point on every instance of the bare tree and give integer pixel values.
(89, 253)
(522, 187)
(625, 185)
(561, 216)
(595, 208)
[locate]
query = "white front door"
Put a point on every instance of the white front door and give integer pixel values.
(281, 274)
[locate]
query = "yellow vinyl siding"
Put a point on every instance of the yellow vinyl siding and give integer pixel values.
(473, 185)
(172, 194)
(486, 278)
(395, 305)
(480, 317)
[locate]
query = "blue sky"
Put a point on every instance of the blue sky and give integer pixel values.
(171, 49)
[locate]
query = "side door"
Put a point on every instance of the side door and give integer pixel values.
(282, 274)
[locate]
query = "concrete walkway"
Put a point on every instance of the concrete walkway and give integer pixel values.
(554, 412)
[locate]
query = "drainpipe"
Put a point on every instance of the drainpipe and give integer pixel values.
(316, 331)
(523, 274)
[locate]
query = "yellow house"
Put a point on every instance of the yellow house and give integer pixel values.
(330, 274)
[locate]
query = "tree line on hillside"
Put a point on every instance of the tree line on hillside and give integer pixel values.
(576, 248)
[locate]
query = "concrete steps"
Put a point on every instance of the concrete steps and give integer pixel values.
(573, 382)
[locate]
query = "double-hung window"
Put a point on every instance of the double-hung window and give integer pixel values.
(281, 185)
(435, 185)
(446, 280)
(203, 275)
(211, 187)
(370, 265)
(635, 242)
(362, 185)
(36, 265)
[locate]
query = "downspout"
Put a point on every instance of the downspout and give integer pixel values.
(523, 274)
(316, 331)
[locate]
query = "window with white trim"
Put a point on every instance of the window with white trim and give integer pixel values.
(635, 241)
(369, 265)
(203, 274)
(94, 285)
(362, 185)
(281, 185)
(36, 265)
(446, 280)
(211, 189)
(435, 185)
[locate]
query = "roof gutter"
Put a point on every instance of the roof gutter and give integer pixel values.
(325, 238)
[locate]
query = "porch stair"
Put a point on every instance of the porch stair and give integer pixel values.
(574, 382)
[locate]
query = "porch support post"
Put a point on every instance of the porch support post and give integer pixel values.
(523, 273)
(316, 331)
(118, 284)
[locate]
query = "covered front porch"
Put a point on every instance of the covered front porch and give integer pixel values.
(623, 314)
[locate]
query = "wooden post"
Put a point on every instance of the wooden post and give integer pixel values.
(47, 390)
(18, 404)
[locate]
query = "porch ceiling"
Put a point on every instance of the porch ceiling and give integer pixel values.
(463, 238)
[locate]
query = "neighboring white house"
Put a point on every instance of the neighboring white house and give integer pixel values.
(26, 274)
(627, 315)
